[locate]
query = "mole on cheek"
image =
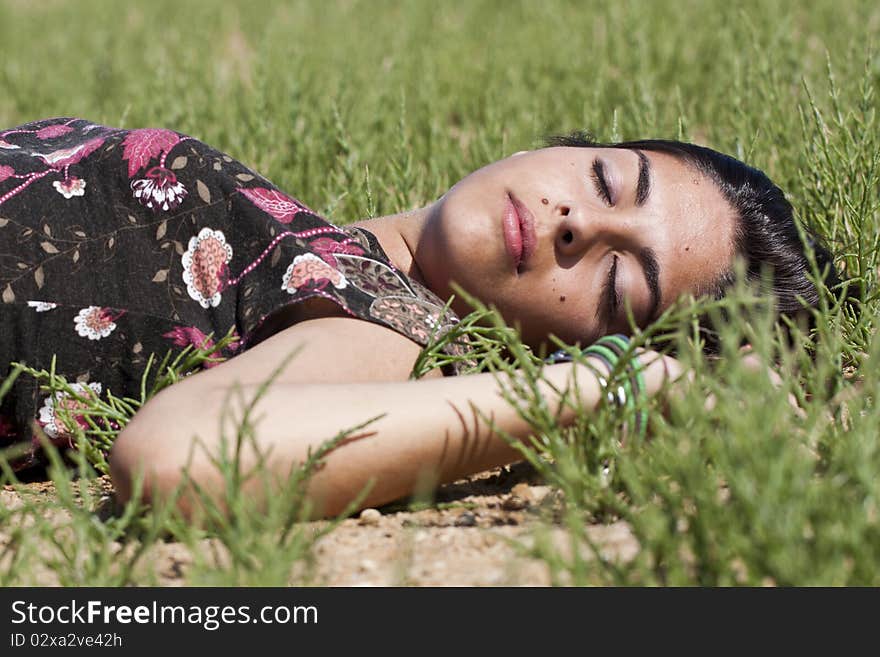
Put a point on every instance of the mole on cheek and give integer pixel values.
(687, 248)
(562, 297)
(544, 201)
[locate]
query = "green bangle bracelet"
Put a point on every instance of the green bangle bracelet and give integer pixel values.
(620, 396)
(631, 395)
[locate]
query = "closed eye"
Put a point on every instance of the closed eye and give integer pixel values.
(610, 295)
(601, 183)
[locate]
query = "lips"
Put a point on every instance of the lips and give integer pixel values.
(518, 226)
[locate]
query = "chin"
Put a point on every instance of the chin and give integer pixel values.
(537, 342)
(541, 338)
(530, 335)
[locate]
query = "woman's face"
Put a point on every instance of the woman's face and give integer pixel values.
(562, 239)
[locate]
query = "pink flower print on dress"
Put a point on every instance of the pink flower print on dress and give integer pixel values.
(70, 187)
(205, 266)
(66, 157)
(52, 131)
(94, 322)
(141, 146)
(308, 269)
(160, 190)
(7, 145)
(42, 306)
(325, 247)
(50, 415)
(184, 336)
(273, 202)
(6, 172)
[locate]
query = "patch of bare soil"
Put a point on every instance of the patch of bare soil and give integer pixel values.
(466, 539)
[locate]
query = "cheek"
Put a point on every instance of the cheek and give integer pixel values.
(467, 226)
(557, 310)
(569, 303)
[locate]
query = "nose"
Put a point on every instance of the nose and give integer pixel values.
(577, 228)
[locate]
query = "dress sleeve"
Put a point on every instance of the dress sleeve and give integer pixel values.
(292, 255)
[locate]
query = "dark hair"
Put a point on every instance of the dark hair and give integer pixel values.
(765, 233)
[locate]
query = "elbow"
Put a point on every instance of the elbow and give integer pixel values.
(153, 460)
(141, 470)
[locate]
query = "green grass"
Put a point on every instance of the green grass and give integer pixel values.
(368, 108)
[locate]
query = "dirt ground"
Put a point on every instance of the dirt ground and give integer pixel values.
(463, 540)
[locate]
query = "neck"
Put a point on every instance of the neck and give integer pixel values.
(400, 236)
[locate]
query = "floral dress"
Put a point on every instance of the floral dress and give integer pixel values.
(117, 244)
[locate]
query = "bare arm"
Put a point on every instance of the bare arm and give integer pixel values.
(430, 427)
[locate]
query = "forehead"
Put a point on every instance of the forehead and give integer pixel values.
(697, 240)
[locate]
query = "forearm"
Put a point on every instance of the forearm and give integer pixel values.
(439, 430)
(430, 431)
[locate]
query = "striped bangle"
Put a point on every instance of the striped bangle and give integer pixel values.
(629, 393)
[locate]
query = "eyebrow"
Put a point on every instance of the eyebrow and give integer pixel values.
(648, 259)
(643, 186)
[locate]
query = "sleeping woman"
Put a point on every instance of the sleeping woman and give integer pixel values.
(116, 244)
